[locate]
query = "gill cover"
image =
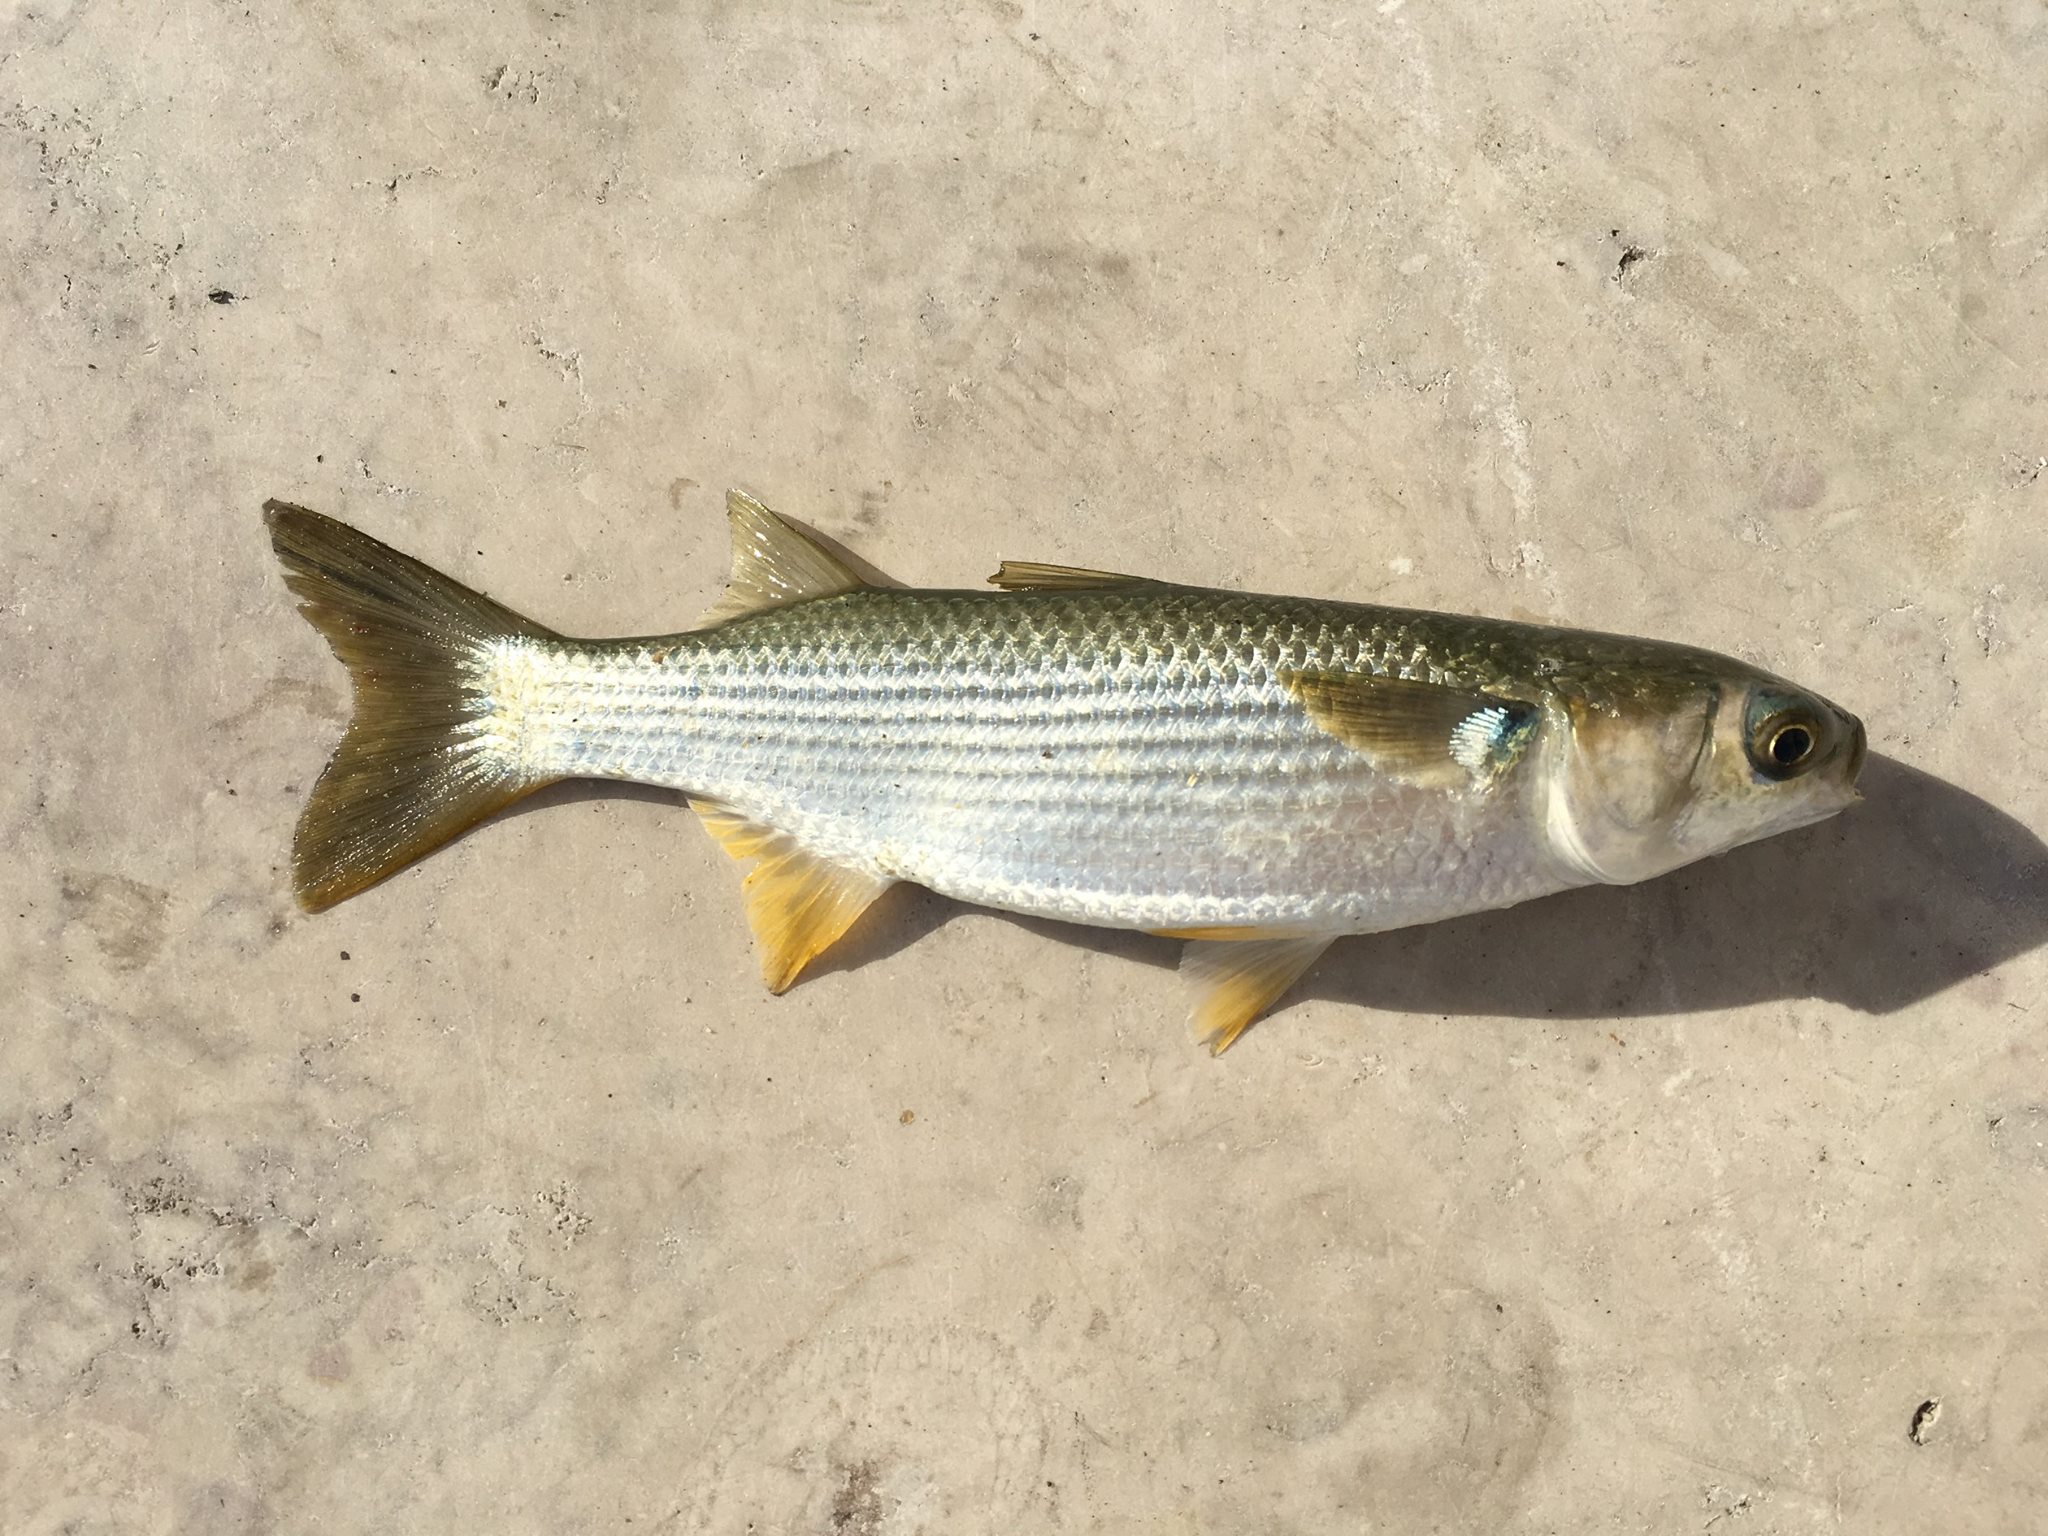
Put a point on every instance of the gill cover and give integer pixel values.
(1626, 782)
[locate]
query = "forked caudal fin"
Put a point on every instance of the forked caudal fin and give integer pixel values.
(423, 759)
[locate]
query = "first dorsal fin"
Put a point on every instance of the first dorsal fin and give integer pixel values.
(1424, 732)
(797, 903)
(1033, 576)
(773, 563)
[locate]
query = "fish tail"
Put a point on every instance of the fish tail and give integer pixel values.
(426, 755)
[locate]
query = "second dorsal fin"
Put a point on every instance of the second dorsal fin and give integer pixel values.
(773, 563)
(1032, 576)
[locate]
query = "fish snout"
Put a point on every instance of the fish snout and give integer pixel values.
(1858, 749)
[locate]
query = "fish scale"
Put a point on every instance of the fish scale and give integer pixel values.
(1126, 759)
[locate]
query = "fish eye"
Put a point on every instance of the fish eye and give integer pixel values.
(1784, 737)
(1790, 745)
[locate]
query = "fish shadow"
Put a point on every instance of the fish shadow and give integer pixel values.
(1920, 887)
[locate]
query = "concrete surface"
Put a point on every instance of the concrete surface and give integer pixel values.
(503, 1200)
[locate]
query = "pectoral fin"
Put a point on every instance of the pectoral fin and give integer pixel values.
(773, 563)
(1421, 731)
(1237, 979)
(797, 903)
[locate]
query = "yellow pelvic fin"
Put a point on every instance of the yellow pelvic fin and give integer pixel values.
(1236, 980)
(797, 903)
(1225, 935)
(1032, 576)
(1424, 732)
(773, 563)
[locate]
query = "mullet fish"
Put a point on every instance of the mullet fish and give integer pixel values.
(1255, 775)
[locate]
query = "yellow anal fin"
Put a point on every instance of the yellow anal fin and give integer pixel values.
(1235, 980)
(797, 903)
(1033, 576)
(773, 563)
(1421, 731)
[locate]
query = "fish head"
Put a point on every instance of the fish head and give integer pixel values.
(1664, 766)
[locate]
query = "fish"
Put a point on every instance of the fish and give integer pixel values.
(1254, 775)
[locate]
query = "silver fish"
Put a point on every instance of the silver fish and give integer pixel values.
(1257, 775)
